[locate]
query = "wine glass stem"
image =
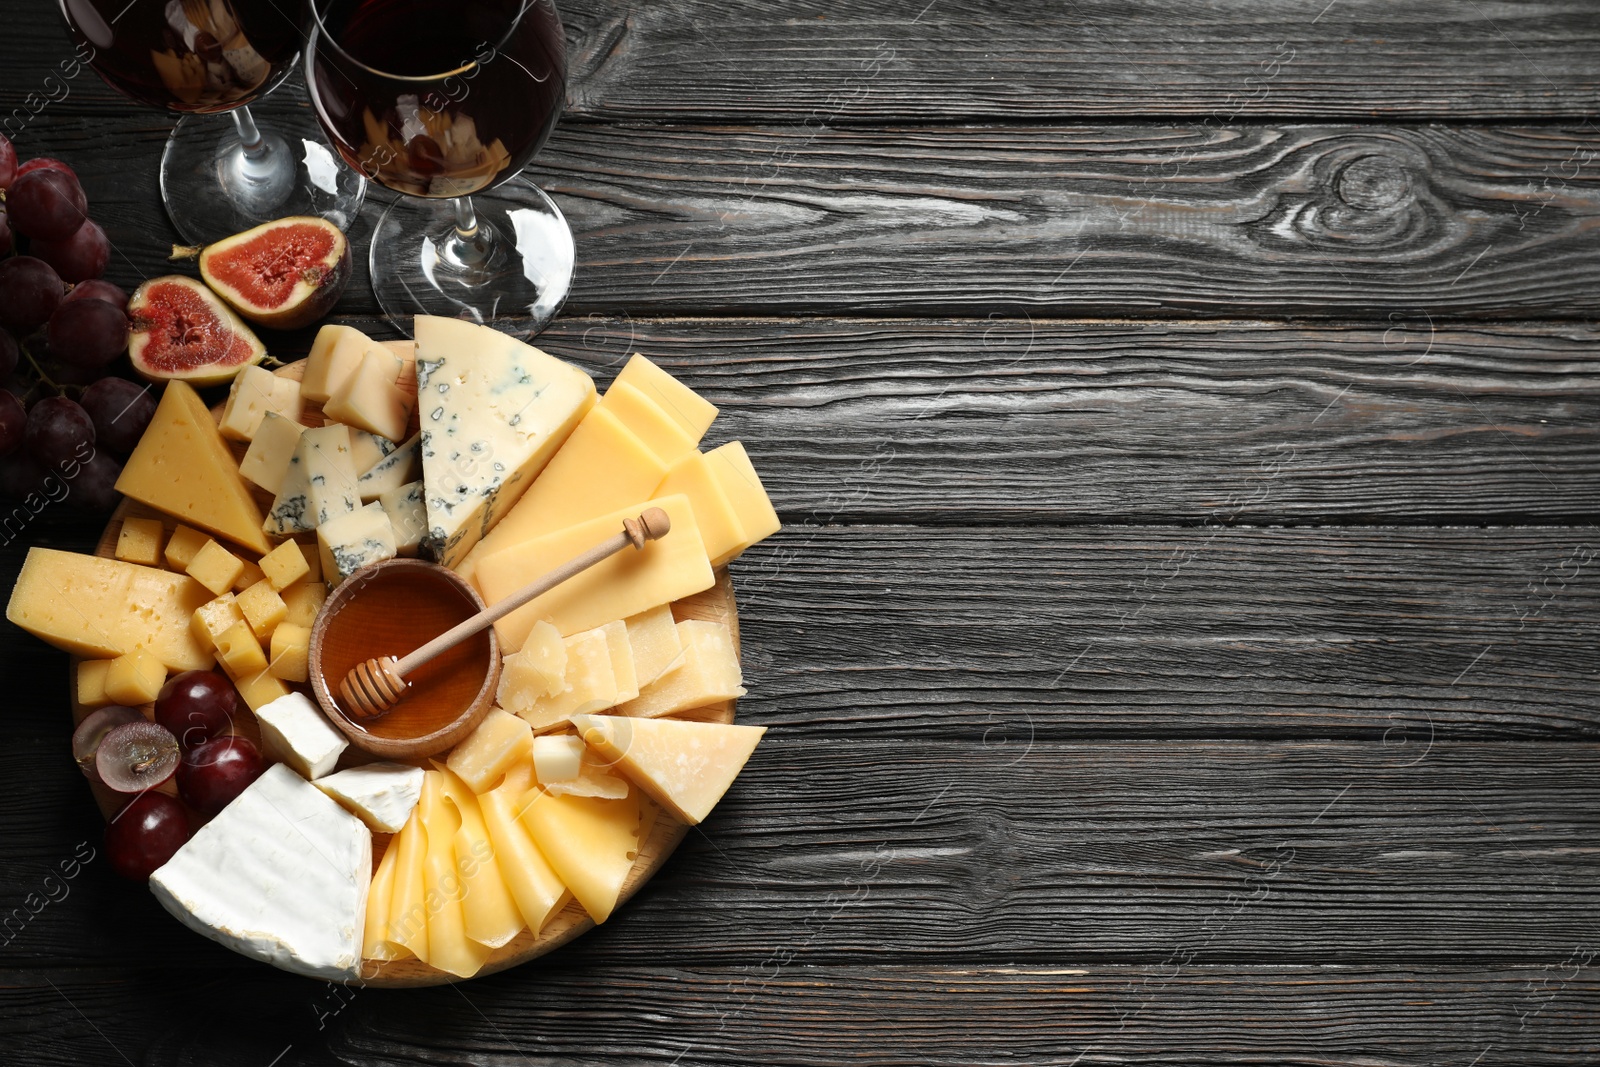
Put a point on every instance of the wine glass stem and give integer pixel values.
(471, 245)
(250, 139)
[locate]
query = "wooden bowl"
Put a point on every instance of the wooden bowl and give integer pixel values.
(389, 609)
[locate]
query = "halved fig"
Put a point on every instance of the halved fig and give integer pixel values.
(283, 274)
(177, 328)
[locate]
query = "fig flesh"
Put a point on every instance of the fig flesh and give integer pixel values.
(179, 329)
(283, 274)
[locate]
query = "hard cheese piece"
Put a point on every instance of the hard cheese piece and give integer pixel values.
(593, 779)
(537, 669)
(101, 608)
(656, 646)
(490, 914)
(449, 947)
(370, 400)
(408, 516)
(590, 684)
(590, 842)
(375, 942)
(692, 412)
(539, 893)
(737, 475)
(239, 651)
(710, 673)
(284, 566)
(182, 546)
(255, 392)
(627, 583)
(500, 740)
(91, 689)
(139, 541)
(622, 665)
(368, 449)
(335, 354)
(492, 412)
(183, 467)
(408, 910)
(215, 567)
(249, 574)
(720, 529)
(557, 758)
(304, 600)
(260, 689)
(685, 766)
(400, 467)
(263, 609)
(602, 467)
(267, 459)
(281, 875)
(359, 539)
(644, 417)
(319, 485)
(290, 653)
(383, 795)
(134, 678)
(296, 731)
(214, 618)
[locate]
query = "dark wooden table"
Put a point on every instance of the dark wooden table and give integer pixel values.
(1185, 643)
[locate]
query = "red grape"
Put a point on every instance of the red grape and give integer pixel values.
(137, 756)
(93, 729)
(47, 205)
(8, 162)
(197, 706)
(80, 257)
(20, 475)
(120, 411)
(88, 333)
(8, 241)
(30, 291)
(98, 289)
(214, 773)
(44, 163)
(146, 834)
(13, 423)
(10, 353)
(94, 487)
(59, 432)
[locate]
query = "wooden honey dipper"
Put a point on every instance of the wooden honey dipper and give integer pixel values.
(376, 686)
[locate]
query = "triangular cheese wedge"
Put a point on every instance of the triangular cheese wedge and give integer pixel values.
(590, 842)
(183, 467)
(684, 765)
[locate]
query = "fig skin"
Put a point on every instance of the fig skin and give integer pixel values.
(204, 374)
(308, 308)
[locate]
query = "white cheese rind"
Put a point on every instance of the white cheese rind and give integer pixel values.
(295, 730)
(381, 794)
(281, 875)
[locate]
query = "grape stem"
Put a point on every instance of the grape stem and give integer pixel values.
(43, 377)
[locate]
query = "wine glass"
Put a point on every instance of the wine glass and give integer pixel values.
(201, 57)
(445, 101)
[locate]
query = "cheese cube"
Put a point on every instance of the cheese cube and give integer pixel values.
(720, 529)
(335, 354)
(263, 608)
(319, 485)
(367, 449)
(266, 461)
(407, 515)
(239, 652)
(139, 541)
(644, 416)
(591, 685)
(653, 635)
(622, 665)
(557, 757)
(255, 392)
(356, 540)
(382, 795)
(500, 740)
(538, 669)
(91, 689)
(284, 565)
(627, 583)
(692, 412)
(215, 618)
(134, 678)
(744, 490)
(215, 567)
(249, 575)
(684, 766)
(400, 467)
(370, 400)
(710, 673)
(304, 600)
(260, 689)
(291, 647)
(313, 559)
(296, 732)
(182, 546)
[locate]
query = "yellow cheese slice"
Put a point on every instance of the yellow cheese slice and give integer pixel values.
(491, 916)
(183, 467)
(720, 528)
(408, 909)
(644, 417)
(590, 842)
(375, 942)
(449, 947)
(686, 766)
(733, 469)
(103, 608)
(627, 583)
(691, 411)
(500, 740)
(709, 673)
(539, 893)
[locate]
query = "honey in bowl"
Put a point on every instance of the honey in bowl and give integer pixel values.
(389, 610)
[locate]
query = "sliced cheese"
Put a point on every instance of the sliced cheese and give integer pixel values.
(449, 947)
(295, 731)
(720, 529)
(500, 740)
(489, 913)
(537, 669)
(657, 648)
(492, 412)
(255, 392)
(622, 665)
(737, 475)
(692, 412)
(534, 885)
(318, 485)
(281, 875)
(685, 766)
(382, 795)
(183, 467)
(590, 842)
(710, 673)
(375, 942)
(639, 413)
(408, 907)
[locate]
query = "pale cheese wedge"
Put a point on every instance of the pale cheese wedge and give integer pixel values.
(382, 795)
(685, 766)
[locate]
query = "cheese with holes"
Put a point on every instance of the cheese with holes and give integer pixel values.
(266, 461)
(500, 740)
(657, 649)
(644, 417)
(720, 529)
(215, 568)
(255, 392)
(408, 516)
(737, 475)
(304, 600)
(319, 484)
(590, 842)
(214, 618)
(370, 400)
(182, 546)
(260, 689)
(139, 541)
(359, 539)
(281, 875)
(534, 885)
(692, 412)
(492, 412)
(627, 583)
(183, 467)
(102, 608)
(685, 766)
(295, 731)
(382, 795)
(709, 674)
(400, 467)
(284, 566)
(91, 683)
(288, 659)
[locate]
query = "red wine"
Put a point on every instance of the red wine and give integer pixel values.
(438, 98)
(189, 55)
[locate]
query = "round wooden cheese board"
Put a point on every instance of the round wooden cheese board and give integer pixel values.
(660, 832)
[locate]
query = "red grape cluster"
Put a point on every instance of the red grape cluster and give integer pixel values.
(65, 420)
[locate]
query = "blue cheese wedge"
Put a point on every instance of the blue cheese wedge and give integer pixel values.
(367, 449)
(408, 515)
(492, 412)
(281, 875)
(403, 464)
(350, 542)
(380, 794)
(318, 485)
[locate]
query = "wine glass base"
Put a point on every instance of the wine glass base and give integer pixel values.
(212, 189)
(516, 280)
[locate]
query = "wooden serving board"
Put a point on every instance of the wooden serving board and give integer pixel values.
(661, 831)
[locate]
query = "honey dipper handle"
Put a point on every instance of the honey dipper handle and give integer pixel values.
(653, 525)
